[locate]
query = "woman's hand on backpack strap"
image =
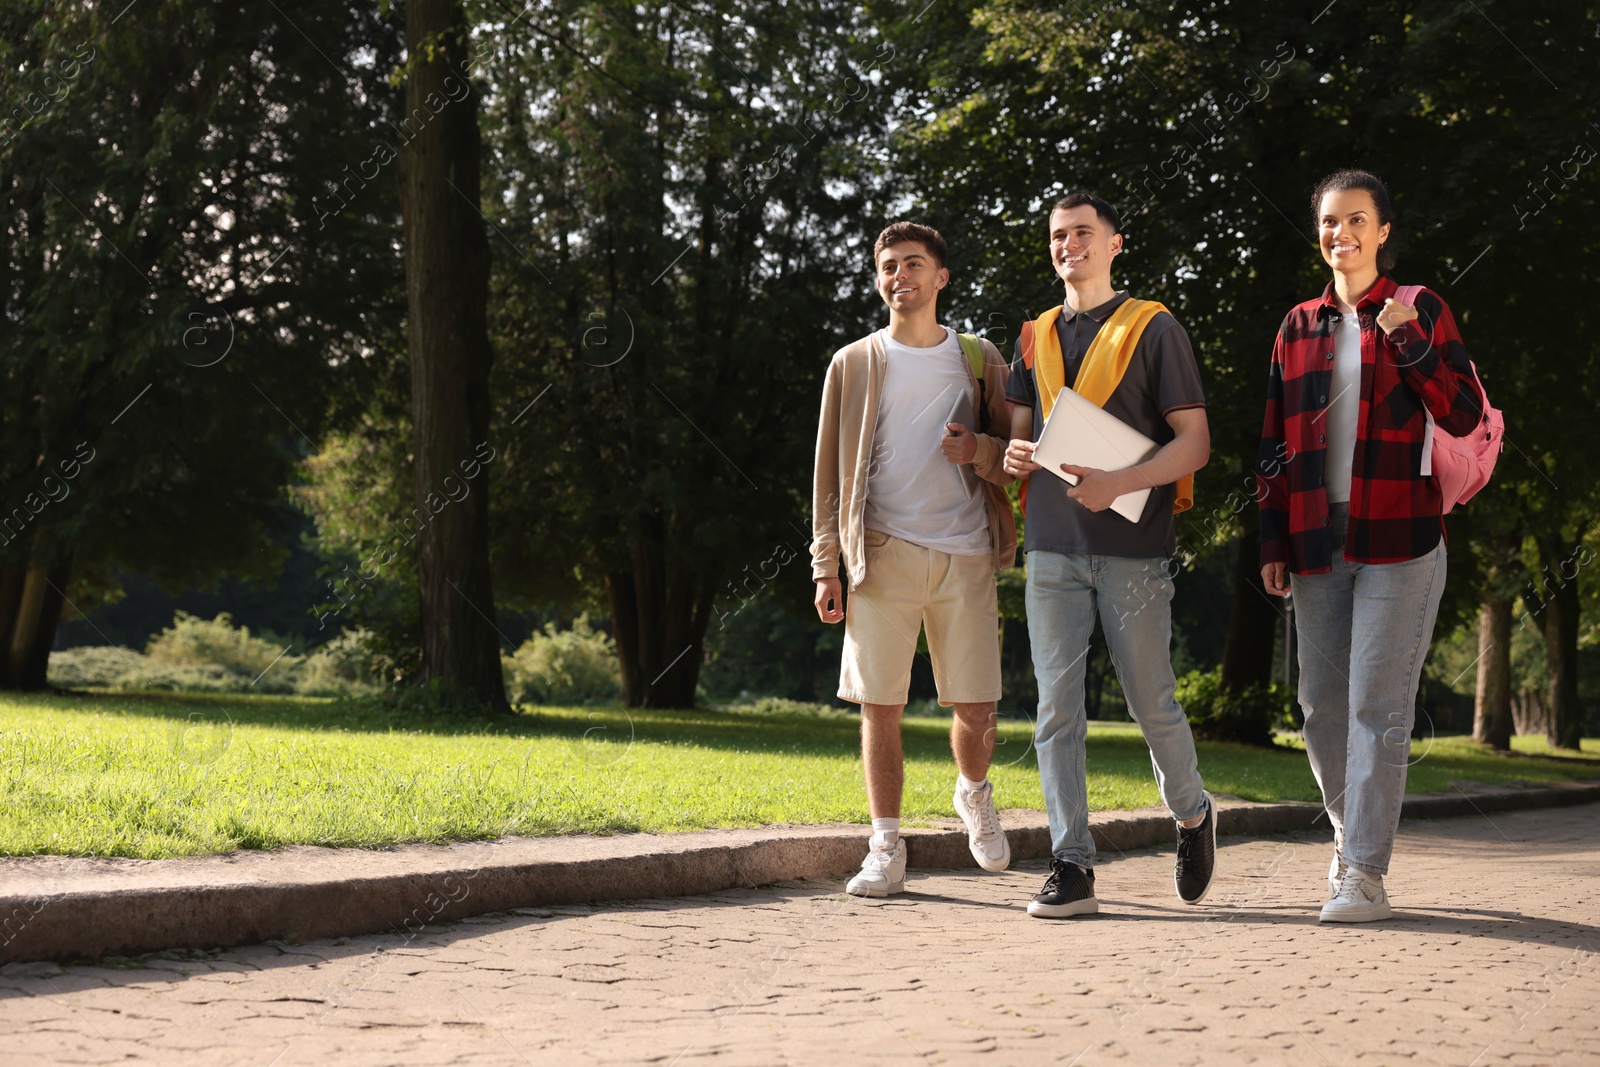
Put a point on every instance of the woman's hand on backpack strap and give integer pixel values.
(1395, 315)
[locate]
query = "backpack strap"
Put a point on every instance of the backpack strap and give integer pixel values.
(972, 348)
(1407, 296)
(1111, 351)
(1103, 365)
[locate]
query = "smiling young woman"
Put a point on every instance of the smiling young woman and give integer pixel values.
(1353, 526)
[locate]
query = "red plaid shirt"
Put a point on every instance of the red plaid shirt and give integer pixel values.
(1395, 511)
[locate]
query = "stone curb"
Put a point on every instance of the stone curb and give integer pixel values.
(62, 908)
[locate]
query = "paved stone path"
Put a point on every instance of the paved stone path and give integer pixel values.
(1493, 960)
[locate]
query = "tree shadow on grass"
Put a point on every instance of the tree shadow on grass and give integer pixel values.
(1250, 772)
(825, 734)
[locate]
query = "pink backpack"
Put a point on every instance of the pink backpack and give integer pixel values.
(1461, 465)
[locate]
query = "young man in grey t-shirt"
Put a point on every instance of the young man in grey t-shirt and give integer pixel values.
(1083, 558)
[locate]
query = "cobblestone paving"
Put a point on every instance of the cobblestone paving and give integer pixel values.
(1492, 959)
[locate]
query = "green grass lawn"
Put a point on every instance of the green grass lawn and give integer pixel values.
(158, 775)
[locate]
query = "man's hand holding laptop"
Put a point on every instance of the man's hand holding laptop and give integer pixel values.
(1019, 457)
(959, 444)
(1096, 489)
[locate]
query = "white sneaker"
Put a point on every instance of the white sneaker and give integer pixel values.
(1359, 898)
(883, 871)
(986, 840)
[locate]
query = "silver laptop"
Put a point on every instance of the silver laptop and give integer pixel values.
(1086, 435)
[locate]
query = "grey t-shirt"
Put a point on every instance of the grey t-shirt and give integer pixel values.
(1161, 378)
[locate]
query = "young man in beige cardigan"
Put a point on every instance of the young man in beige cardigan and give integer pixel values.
(908, 492)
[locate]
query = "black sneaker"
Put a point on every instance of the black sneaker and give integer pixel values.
(1197, 857)
(1068, 891)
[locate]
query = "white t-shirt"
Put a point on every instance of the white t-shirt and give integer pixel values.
(913, 491)
(1344, 407)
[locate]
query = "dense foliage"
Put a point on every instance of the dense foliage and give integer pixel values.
(206, 320)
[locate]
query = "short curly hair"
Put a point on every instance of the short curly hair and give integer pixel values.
(896, 232)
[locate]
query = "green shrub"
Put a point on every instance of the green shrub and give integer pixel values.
(198, 678)
(93, 665)
(344, 666)
(123, 668)
(214, 656)
(438, 703)
(195, 642)
(784, 706)
(1217, 714)
(564, 667)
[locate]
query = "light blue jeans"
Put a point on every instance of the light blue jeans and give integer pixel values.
(1133, 598)
(1364, 631)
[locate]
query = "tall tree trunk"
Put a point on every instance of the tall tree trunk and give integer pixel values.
(1530, 712)
(806, 680)
(1491, 712)
(1247, 653)
(1561, 648)
(659, 616)
(624, 604)
(447, 279)
(36, 666)
(12, 578)
(25, 628)
(35, 612)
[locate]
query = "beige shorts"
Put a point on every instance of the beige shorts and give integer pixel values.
(908, 588)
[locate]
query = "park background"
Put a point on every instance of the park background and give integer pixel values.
(420, 361)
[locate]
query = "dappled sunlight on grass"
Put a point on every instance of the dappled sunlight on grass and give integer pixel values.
(1435, 763)
(1537, 745)
(161, 775)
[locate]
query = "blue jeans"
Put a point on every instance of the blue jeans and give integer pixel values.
(1133, 598)
(1364, 631)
